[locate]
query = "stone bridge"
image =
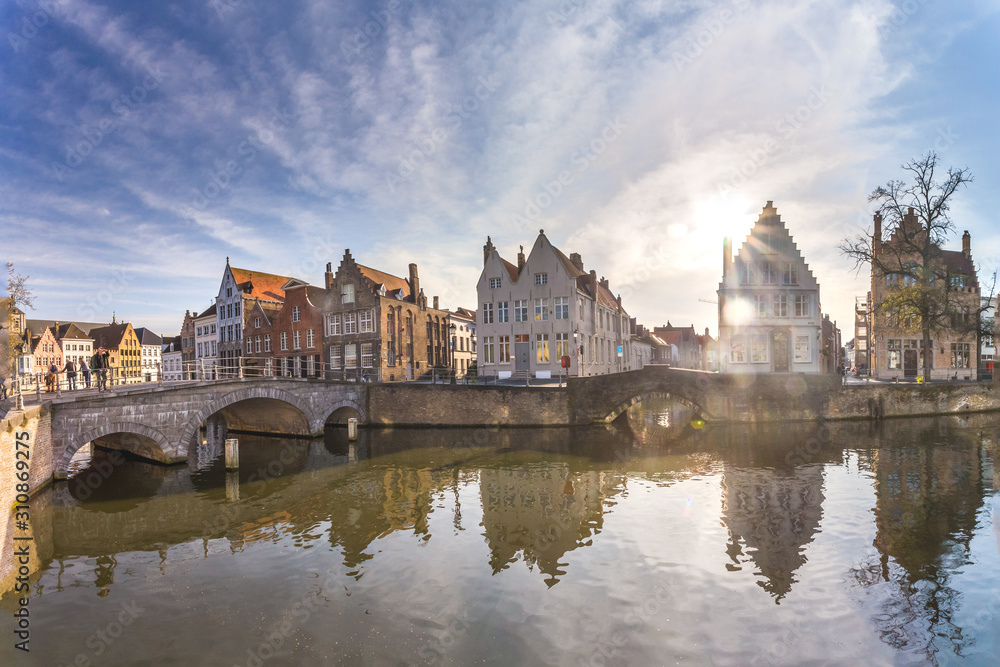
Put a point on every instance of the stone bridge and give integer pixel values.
(161, 423)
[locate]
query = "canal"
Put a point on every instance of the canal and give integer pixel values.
(665, 541)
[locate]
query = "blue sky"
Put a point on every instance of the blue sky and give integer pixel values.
(143, 143)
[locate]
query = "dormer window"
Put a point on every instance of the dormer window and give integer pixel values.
(495, 283)
(541, 278)
(347, 293)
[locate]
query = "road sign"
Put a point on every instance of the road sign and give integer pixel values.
(619, 350)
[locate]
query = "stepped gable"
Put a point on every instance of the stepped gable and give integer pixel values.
(769, 222)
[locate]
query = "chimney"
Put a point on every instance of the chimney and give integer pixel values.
(487, 249)
(967, 244)
(328, 276)
(414, 283)
(436, 304)
(726, 257)
(877, 236)
(604, 282)
(520, 259)
(619, 302)
(593, 284)
(576, 260)
(706, 332)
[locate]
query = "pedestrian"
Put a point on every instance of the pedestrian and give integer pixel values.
(51, 378)
(85, 369)
(99, 366)
(70, 370)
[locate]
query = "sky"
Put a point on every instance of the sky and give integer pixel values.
(141, 144)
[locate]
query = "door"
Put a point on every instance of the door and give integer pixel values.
(522, 360)
(910, 363)
(779, 348)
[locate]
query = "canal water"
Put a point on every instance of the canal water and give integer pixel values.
(664, 541)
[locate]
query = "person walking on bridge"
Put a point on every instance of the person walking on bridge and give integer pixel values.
(70, 370)
(85, 369)
(99, 365)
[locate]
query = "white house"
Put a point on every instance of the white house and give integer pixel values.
(206, 338)
(769, 310)
(545, 308)
(152, 353)
(462, 339)
(172, 360)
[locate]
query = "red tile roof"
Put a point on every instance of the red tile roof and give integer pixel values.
(266, 286)
(391, 282)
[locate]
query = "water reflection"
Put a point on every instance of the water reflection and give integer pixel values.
(531, 505)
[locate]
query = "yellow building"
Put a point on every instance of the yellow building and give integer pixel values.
(125, 350)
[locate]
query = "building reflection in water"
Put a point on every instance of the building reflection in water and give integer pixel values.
(929, 487)
(772, 499)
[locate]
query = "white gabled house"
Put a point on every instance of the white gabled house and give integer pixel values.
(770, 319)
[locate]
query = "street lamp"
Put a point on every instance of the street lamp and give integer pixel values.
(452, 328)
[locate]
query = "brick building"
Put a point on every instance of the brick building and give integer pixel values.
(239, 290)
(379, 325)
(188, 338)
(125, 349)
(297, 331)
(897, 347)
(260, 334)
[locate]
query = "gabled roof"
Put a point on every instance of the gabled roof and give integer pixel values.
(210, 311)
(604, 296)
(465, 314)
(72, 332)
(571, 268)
(36, 327)
(257, 285)
(147, 337)
(378, 279)
(957, 262)
(109, 336)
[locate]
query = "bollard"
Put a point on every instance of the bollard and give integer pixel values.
(232, 486)
(232, 454)
(352, 429)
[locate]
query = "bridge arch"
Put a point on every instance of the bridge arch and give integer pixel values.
(247, 394)
(344, 408)
(644, 395)
(165, 453)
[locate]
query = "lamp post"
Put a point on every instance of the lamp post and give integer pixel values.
(452, 329)
(576, 347)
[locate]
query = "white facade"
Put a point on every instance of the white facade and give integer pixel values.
(172, 366)
(770, 319)
(462, 340)
(206, 336)
(988, 346)
(547, 307)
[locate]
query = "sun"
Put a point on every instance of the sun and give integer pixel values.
(716, 217)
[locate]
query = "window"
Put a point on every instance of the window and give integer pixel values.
(256, 344)
(769, 275)
(249, 346)
(541, 309)
(347, 293)
(333, 325)
(310, 338)
(562, 345)
(801, 305)
(503, 314)
(350, 356)
(239, 333)
(504, 350)
(229, 291)
(296, 340)
(758, 348)
(201, 352)
(229, 333)
(367, 321)
(495, 283)
(335, 357)
(488, 350)
(746, 273)
(780, 305)
(958, 281)
(760, 305)
(861, 330)
(542, 348)
(790, 276)
(267, 343)
(229, 311)
(284, 340)
(198, 333)
(562, 307)
(367, 358)
(802, 353)
(296, 314)
(521, 310)
(893, 354)
(487, 313)
(256, 323)
(541, 278)
(960, 355)
(350, 323)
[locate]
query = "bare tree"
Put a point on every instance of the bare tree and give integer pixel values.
(921, 294)
(19, 296)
